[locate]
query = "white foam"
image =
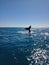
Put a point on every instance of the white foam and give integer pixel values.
(46, 33)
(36, 61)
(28, 59)
(44, 57)
(24, 32)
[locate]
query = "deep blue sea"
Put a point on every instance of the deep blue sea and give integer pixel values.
(18, 47)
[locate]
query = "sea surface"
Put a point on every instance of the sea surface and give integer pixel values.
(18, 47)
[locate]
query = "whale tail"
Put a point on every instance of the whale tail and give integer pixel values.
(28, 29)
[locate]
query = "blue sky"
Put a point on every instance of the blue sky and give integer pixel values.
(20, 13)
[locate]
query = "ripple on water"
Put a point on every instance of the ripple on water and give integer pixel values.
(38, 57)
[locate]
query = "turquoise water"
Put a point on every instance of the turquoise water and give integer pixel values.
(18, 47)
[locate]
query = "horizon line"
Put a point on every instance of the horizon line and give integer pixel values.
(23, 27)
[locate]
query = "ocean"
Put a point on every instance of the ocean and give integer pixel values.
(18, 47)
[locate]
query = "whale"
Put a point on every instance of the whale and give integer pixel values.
(28, 28)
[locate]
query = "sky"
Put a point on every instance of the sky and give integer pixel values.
(21, 13)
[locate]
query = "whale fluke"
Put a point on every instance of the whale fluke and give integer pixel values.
(28, 28)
